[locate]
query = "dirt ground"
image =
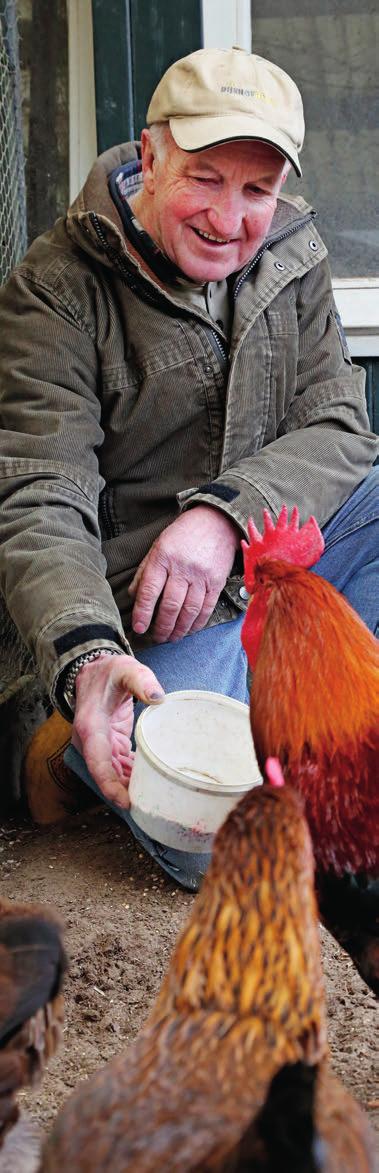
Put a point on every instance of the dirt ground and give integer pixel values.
(122, 916)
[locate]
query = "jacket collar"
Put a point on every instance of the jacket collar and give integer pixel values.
(95, 224)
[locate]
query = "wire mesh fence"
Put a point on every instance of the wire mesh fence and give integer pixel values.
(12, 182)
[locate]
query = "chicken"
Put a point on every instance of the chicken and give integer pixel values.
(230, 1071)
(315, 705)
(32, 963)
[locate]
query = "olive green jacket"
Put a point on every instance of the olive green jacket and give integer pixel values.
(120, 406)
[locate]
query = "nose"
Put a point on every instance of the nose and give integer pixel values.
(226, 215)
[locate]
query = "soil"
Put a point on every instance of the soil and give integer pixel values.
(122, 916)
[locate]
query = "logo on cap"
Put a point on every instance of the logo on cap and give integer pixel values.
(231, 89)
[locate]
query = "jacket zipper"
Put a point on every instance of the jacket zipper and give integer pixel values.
(133, 282)
(155, 299)
(220, 346)
(152, 298)
(136, 286)
(106, 521)
(274, 240)
(254, 262)
(121, 265)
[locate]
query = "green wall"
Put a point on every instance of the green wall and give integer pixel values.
(134, 42)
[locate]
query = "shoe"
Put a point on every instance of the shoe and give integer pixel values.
(52, 791)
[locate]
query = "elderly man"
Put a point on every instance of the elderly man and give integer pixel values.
(172, 362)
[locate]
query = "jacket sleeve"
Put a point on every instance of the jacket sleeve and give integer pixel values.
(324, 446)
(52, 571)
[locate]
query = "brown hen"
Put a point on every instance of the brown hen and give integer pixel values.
(217, 1079)
(32, 963)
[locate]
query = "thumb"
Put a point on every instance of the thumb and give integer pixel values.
(141, 682)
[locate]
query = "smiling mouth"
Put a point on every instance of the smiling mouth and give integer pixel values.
(207, 236)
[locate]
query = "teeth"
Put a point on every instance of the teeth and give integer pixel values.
(219, 239)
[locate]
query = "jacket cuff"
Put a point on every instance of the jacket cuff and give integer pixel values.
(234, 495)
(68, 637)
(61, 700)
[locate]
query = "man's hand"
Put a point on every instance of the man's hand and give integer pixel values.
(103, 720)
(186, 568)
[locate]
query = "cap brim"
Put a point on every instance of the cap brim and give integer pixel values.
(201, 131)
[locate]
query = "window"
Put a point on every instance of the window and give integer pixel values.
(329, 47)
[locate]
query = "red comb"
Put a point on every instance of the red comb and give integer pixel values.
(273, 772)
(302, 547)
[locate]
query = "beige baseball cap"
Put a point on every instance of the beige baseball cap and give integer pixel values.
(215, 95)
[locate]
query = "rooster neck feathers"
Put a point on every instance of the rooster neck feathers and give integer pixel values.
(315, 705)
(309, 688)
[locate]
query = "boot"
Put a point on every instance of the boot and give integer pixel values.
(52, 791)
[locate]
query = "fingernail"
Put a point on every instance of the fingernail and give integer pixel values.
(155, 696)
(139, 628)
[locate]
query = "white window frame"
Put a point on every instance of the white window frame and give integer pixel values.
(357, 300)
(82, 102)
(227, 23)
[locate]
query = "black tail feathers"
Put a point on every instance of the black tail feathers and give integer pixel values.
(283, 1137)
(286, 1122)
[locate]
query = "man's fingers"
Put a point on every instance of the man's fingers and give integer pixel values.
(132, 588)
(206, 611)
(150, 587)
(109, 684)
(170, 607)
(115, 791)
(123, 765)
(141, 682)
(191, 609)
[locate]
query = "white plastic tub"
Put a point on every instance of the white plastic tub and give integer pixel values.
(194, 760)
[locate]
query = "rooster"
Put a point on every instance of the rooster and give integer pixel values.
(315, 705)
(230, 1072)
(32, 963)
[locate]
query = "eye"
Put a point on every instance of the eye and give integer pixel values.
(203, 178)
(254, 190)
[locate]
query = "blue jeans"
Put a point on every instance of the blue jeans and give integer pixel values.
(213, 659)
(351, 557)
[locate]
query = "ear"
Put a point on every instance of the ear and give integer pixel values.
(285, 172)
(148, 156)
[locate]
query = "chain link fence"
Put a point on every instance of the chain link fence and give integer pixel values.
(12, 182)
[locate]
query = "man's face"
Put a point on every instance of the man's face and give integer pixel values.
(210, 210)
